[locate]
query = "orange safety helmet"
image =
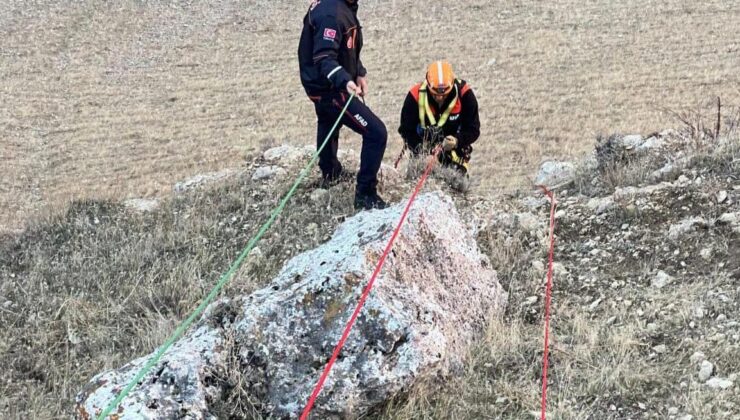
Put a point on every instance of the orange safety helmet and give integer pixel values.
(440, 78)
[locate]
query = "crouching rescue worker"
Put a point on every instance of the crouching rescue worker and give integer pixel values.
(441, 110)
(331, 69)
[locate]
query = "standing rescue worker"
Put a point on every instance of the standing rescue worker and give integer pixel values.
(331, 69)
(441, 109)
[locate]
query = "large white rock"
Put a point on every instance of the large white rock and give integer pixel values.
(175, 385)
(686, 226)
(433, 295)
(267, 172)
(630, 141)
(638, 143)
(199, 180)
(553, 174)
(286, 153)
(719, 383)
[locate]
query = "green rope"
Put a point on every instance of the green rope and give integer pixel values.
(224, 278)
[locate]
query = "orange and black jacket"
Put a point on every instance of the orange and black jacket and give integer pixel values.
(329, 49)
(463, 122)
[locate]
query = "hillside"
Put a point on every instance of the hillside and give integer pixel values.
(645, 285)
(131, 133)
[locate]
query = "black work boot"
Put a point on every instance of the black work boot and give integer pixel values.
(368, 200)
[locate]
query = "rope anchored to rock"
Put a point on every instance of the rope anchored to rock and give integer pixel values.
(366, 291)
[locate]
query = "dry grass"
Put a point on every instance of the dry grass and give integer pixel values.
(88, 290)
(114, 101)
(237, 401)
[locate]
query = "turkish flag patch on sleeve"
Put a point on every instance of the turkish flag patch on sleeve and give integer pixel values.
(330, 34)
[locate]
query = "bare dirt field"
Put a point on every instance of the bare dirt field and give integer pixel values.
(122, 99)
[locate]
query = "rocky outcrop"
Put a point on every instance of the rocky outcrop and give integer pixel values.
(197, 181)
(432, 296)
(654, 262)
(554, 174)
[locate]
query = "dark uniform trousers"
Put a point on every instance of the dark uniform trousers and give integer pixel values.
(361, 120)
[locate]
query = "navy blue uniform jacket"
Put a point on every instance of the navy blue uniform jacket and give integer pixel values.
(329, 49)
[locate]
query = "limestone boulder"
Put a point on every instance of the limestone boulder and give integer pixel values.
(429, 302)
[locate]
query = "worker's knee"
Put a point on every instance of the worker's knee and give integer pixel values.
(377, 132)
(381, 132)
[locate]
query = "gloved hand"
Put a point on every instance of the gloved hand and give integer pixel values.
(449, 143)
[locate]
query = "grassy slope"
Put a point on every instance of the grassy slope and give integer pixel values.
(90, 290)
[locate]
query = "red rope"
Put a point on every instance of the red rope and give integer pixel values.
(548, 293)
(400, 156)
(366, 292)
